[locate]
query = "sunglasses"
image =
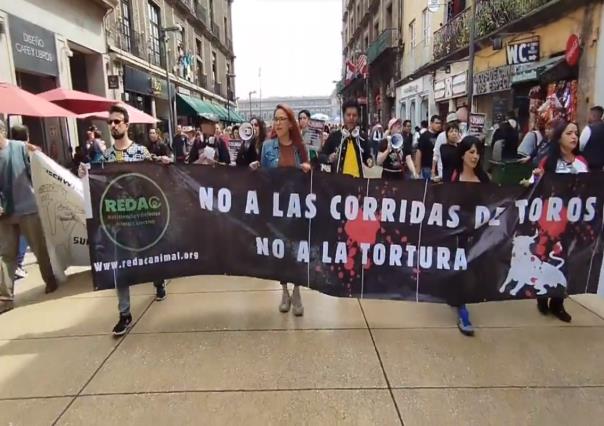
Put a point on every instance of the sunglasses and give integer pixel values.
(114, 122)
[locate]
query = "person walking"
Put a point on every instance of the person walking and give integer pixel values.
(250, 150)
(18, 216)
(563, 158)
(396, 151)
(592, 140)
(468, 168)
(285, 148)
(346, 150)
(125, 150)
(179, 145)
(425, 148)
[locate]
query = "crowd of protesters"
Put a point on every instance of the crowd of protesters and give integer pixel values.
(437, 151)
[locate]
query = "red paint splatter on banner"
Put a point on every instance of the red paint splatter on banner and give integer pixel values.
(551, 228)
(341, 275)
(557, 249)
(361, 231)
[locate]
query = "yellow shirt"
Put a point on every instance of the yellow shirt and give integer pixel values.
(351, 167)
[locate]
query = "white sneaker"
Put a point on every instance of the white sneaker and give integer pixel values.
(286, 301)
(20, 273)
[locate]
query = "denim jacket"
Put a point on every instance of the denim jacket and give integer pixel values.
(270, 155)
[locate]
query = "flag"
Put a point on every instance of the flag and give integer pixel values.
(362, 66)
(350, 71)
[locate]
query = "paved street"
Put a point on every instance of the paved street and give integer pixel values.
(217, 351)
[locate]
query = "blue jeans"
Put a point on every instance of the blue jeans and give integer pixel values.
(426, 173)
(123, 297)
(22, 250)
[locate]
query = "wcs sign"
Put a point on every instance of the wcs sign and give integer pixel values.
(523, 52)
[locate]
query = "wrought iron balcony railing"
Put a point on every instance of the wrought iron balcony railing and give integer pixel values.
(123, 37)
(201, 13)
(491, 15)
(217, 88)
(388, 39)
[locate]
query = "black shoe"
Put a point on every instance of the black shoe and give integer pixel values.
(122, 325)
(160, 293)
(556, 307)
(542, 306)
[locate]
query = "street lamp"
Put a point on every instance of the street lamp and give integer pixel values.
(337, 82)
(253, 92)
(163, 32)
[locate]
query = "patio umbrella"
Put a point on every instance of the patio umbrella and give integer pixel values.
(16, 101)
(136, 115)
(76, 101)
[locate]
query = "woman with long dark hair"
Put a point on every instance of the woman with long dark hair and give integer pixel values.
(285, 148)
(468, 168)
(563, 158)
(250, 150)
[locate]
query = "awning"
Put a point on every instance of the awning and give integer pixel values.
(193, 107)
(550, 69)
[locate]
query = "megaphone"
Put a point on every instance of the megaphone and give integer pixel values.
(246, 132)
(397, 141)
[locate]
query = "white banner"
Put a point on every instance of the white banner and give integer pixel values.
(60, 199)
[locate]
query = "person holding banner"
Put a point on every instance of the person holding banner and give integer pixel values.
(563, 158)
(125, 150)
(250, 150)
(346, 150)
(18, 216)
(468, 168)
(285, 149)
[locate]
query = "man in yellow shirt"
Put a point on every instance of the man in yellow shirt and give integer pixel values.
(346, 150)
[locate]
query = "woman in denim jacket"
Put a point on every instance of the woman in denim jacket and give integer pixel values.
(285, 148)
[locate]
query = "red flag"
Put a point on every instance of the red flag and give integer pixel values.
(350, 71)
(362, 66)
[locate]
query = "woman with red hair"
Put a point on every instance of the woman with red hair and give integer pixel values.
(285, 148)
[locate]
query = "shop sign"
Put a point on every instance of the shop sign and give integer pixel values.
(34, 48)
(450, 87)
(523, 52)
(137, 81)
(477, 123)
(573, 50)
(412, 89)
(362, 100)
(492, 81)
(113, 81)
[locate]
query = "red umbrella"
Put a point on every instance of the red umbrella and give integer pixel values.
(76, 101)
(136, 115)
(16, 101)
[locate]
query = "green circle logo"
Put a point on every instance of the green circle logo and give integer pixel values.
(134, 212)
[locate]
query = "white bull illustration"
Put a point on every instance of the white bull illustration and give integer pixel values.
(526, 269)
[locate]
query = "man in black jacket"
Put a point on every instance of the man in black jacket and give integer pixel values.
(209, 149)
(346, 150)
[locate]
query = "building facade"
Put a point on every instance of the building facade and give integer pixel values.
(533, 58)
(197, 50)
(45, 44)
(372, 46)
(265, 108)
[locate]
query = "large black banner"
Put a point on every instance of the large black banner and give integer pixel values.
(455, 242)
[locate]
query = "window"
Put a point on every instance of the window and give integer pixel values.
(376, 30)
(126, 26)
(214, 67)
(412, 34)
(211, 7)
(426, 25)
(199, 61)
(226, 28)
(155, 49)
(389, 17)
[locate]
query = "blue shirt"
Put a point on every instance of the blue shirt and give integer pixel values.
(269, 159)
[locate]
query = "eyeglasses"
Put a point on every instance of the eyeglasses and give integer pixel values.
(114, 122)
(280, 119)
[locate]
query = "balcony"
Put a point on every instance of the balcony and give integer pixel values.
(491, 16)
(201, 13)
(187, 4)
(215, 29)
(388, 39)
(123, 38)
(229, 44)
(201, 79)
(217, 88)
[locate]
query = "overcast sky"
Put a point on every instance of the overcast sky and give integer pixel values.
(297, 43)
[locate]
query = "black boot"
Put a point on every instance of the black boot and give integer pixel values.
(542, 305)
(556, 307)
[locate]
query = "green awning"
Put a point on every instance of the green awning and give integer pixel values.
(192, 107)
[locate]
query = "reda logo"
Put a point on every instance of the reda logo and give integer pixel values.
(132, 205)
(134, 212)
